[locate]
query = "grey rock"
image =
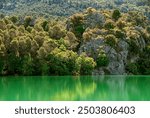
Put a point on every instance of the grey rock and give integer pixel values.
(94, 19)
(90, 48)
(117, 60)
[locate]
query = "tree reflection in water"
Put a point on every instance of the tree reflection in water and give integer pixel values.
(75, 88)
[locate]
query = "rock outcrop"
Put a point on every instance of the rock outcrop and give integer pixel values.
(122, 44)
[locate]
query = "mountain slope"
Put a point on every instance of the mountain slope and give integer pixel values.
(68, 7)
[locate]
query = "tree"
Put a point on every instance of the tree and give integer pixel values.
(116, 14)
(85, 64)
(62, 61)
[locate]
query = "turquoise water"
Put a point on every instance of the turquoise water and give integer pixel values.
(75, 88)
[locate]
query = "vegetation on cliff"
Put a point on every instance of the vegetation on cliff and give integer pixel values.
(65, 8)
(39, 47)
(88, 42)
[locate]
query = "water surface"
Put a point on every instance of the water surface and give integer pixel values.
(75, 88)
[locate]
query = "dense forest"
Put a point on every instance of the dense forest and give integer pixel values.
(72, 37)
(50, 8)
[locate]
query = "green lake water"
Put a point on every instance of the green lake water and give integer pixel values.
(75, 88)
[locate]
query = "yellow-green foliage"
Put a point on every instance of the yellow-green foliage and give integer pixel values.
(38, 28)
(2, 49)
(102, 59)
(90, 10)
(14, 45)
(85, 64)
(62, 62)
(121, 24)
(109, 24)
(39, 47)
(39, 39)
(77, 21)
(42, 53)
(50, 45)
(111, 40)
(2, 25)
(71, 41)
(47, 47)
(88, 35)
(137, 18)
(29, 29)
(56, 32)
(14, 19)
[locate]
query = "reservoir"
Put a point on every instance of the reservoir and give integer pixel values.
(72, 88)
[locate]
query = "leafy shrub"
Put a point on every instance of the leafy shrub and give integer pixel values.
(72, 41)
(116, 14)
(111, 40)
(86, 64)
(132, 68)
(14, 19)
(102, 59)
(119, 34)
(78, 24)
(27, 21)
(62, 62)
(109, 24)
(56, 32)
(2, 25)
(46, 47)
(121, 24)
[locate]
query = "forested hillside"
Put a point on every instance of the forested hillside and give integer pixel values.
(89, 42)
(72, 37)
(61, 8)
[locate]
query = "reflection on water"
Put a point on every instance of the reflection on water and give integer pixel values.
(75, 88)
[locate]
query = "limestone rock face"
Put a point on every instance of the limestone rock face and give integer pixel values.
(117, 60)
(90, 19)
(93, 18)
(91, 47)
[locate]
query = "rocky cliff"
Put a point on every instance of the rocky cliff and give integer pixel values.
(115, 40)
